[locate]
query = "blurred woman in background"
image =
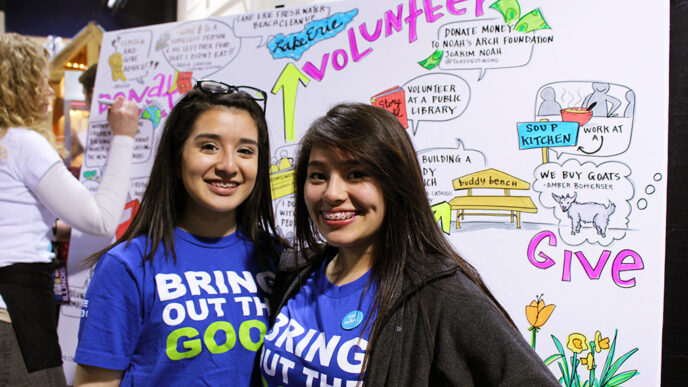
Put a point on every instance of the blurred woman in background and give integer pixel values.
(35, 189)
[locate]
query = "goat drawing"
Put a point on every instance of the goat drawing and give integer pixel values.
(595, 213)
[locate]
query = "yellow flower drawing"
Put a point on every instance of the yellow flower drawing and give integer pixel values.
(588, 361)
(538, 313)
(577, 342)
(601, 343)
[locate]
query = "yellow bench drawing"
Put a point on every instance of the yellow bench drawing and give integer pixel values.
(493, 179)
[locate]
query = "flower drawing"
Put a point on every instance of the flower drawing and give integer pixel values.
(537, 314)
(607, 373)
(577, 342)
(588, 361)
(601, 343)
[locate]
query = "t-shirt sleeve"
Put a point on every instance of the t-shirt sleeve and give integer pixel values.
(35, 158)
(111, 316)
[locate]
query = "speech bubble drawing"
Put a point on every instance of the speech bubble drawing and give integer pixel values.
(284, 216)
(98, 143)
(266, 24)
(143, 143)
(441, 165)
(602, 199)
(137, 186)
(435, 97)
(134, 48)
(610, 126)
(203, 47)
(485, 44)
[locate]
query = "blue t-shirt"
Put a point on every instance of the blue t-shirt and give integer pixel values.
(318, 337)
(198, 321)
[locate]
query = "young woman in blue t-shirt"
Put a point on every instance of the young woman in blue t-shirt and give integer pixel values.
(181, 297)
(386, 301)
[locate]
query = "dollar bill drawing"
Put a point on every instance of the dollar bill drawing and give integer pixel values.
(433, 60)
(532, 21)
(510, 10)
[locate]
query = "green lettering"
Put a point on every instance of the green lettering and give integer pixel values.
(245, 334)
(209, 337)
(193, 346)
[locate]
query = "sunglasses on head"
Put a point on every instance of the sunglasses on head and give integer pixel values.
(217, 87)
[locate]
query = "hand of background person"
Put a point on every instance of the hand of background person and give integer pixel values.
(123, 117)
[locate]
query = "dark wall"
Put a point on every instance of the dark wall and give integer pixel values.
(675, 342)
(65, 18)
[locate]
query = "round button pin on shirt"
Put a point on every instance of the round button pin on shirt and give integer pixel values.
(352, 320)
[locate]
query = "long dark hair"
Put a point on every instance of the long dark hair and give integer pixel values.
(164, 199)
(410, 236)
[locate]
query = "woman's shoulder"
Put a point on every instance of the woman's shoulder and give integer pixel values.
(25, 137)
(443, 276)
(129, 253)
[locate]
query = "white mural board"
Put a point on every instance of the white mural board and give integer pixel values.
(552, 202)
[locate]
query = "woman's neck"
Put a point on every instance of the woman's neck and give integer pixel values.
(200, 224)
(349, 265)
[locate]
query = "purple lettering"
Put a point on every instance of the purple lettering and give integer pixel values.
(618, 266)
(566, 271)
(430, 14)
(393, 21)
(335, 61)
(452, 9)
(532, 247)
(137, 98)
(411, 19)
(314, 72)
(594, 273)
(156, 91)
(479, 8)
(375, 35)
(355, 55)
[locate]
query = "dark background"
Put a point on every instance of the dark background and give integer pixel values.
(675, 342)
(66, 18)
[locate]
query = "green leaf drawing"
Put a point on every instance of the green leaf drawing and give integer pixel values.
(620, 378)
(553, 358)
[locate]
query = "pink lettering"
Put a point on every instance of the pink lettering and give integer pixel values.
(411, 20)
(430, 14)
(618, 266)
(393, 21)
(451, 7)
(137, 98)
(335, 59)
(566, 272)
(594, 273)
(355, 55)
(479, 8)
(532, 247)
(375, 35)
(314, 72)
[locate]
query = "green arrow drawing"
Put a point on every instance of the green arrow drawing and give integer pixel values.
(289, 81)
(442, 211)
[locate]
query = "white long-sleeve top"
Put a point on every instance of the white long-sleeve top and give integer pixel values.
(36, 188)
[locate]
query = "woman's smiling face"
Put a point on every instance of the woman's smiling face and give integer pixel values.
(219, 163)
(344, 202)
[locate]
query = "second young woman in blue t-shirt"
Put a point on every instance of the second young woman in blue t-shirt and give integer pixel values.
(386, 301)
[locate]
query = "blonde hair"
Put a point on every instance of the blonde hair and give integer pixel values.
(23, 65)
